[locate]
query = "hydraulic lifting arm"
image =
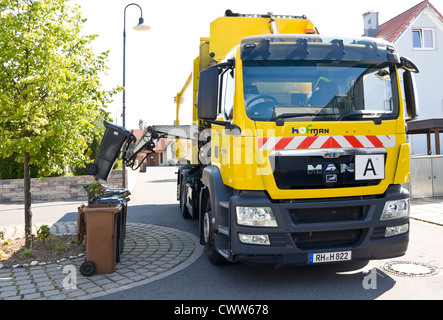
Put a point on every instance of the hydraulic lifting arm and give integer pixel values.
(150, 138)
(178, 99)
(118, 140)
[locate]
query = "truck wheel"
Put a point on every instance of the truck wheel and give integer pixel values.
(208, 232)
(183, 197)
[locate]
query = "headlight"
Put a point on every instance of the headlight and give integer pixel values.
(397, 230)
(256, 216)
(261, 239)
(395, 210)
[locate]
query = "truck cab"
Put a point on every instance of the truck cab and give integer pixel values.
(308, 150)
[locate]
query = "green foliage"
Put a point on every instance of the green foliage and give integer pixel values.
(58, 244)
(43, 232)
(51, 99)
(11, 169)
(61, 247)
(91, 152)
(6, 242)
(26, 253)
(95, 186)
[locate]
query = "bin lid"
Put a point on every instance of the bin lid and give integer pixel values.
(101, 209)
(118, 128)
(110, 200)
(118, 193)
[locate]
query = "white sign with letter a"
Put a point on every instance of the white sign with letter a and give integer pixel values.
(370, 167)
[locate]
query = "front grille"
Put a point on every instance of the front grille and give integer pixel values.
(319, 215)
(378, 233)
(312, 172)
(327, 239)
(277, 239)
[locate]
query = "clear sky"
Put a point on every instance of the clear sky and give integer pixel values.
(159, 61)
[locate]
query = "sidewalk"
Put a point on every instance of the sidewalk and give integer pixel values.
(428, 210)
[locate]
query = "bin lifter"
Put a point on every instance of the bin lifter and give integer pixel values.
(130, 147)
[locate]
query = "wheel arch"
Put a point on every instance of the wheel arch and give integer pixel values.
(217, 191)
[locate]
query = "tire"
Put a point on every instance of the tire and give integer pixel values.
(183, 197)
(208, 233)
(87, 268)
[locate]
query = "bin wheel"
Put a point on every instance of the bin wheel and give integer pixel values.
(91, 168)
(87, 268)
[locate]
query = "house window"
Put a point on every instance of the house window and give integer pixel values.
(423, 39)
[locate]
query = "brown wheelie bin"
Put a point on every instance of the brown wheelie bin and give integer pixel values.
(100, 222)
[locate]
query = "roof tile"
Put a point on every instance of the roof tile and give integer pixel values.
(391, 29)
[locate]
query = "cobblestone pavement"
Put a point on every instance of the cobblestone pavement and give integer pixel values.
(150, 252)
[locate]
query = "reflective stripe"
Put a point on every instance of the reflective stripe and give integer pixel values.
(325, 142)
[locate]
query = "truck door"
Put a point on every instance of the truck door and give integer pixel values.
(222, 137)
(227, 91)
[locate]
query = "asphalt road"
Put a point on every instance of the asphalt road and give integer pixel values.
(202, 280)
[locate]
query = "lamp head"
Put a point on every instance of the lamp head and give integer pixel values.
(141, 26)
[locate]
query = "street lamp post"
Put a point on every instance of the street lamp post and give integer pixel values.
(139, 27)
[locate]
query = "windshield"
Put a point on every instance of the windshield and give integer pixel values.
(319, 91)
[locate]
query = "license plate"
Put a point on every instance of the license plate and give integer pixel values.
(370, 167)
(330, 256)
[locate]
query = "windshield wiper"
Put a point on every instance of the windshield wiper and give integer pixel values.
(376, 117)
(294, 115)
(280, 122)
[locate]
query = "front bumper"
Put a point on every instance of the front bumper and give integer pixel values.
(317, 226)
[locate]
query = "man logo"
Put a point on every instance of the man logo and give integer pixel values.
(315, 170)
(345, 168)
(330, 168)
(331, 178)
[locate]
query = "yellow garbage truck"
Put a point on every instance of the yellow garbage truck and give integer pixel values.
(298, 147)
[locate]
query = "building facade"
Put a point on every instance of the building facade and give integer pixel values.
(418, 34)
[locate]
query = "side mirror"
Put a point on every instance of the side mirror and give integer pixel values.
(408, 65)
(410, 95)
(208, 94)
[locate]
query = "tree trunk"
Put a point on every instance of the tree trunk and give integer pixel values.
(27, 198)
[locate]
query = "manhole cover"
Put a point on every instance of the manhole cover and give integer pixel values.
(409, 269)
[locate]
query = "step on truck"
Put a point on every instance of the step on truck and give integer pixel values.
(296, 148)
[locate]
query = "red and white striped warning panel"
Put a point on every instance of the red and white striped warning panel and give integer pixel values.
(325, 142)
